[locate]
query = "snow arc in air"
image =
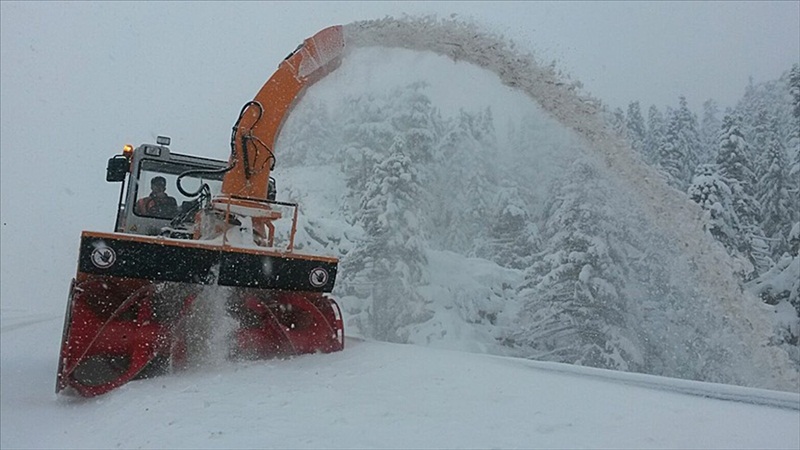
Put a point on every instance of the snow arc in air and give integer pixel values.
(681, 222)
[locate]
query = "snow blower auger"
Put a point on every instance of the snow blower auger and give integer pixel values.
(224, 236)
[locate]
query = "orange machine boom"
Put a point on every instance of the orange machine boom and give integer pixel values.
(260, 121)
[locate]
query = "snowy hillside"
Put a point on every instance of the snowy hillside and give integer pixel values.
(535, 231)
(379, 395)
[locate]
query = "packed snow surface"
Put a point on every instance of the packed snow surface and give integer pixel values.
(379, 395)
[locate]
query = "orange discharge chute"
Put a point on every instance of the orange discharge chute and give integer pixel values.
(256, 130)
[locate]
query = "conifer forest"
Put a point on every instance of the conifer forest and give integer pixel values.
(451, 230)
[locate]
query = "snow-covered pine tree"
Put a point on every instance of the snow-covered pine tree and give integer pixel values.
(484, 129)
(690, 137)
(575, 306)
(390, 149)
(414, 119)
(709, 132)
(793, 146)
(780, 287)
(774, 197)
(762, 242)
(636, 129)
(678, 155)
(794, 90)
(671, 158)
(737, 168)
(390, 263)
(447, 193)
(654, 140)
(512, 238)
(761, 134)
(766, 108)
(618, 122)
(710, 190)
(366, 133)
(464, 183)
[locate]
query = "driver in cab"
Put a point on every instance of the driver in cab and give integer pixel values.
(158, 203)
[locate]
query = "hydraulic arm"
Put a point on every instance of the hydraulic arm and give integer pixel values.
(254, 134)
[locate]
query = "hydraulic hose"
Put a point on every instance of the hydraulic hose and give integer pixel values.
(203, 185)
(247, 137)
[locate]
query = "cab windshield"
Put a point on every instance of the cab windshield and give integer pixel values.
(157, 194)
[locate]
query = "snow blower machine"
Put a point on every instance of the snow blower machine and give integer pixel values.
(224, 240)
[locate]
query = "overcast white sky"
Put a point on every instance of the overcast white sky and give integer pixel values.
(80, 79)
(621, 51)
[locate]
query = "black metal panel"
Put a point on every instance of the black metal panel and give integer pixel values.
(165, 261)
(249, 270)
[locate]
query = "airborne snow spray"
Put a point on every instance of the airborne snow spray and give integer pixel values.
(208, 328)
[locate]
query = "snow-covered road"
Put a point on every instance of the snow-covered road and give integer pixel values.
(378, 395)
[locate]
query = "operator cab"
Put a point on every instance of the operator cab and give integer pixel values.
(138, 168)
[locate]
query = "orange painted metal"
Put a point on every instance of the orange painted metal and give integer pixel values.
(316, 56)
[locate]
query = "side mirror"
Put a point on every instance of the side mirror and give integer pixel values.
(117, 168)
(272, 189)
